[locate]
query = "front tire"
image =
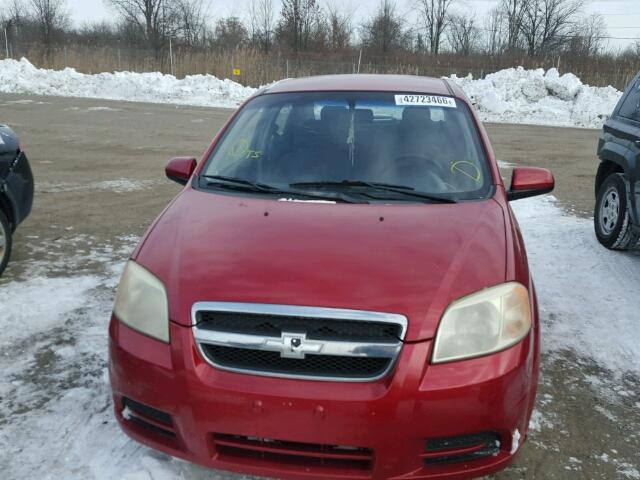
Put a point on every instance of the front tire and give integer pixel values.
(611, 217)
(5, 241)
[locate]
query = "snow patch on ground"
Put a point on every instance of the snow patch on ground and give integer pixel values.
(103, 109)
(539, 421)
(513, 95)
(588, 295)
(118, 185)
(32, 306)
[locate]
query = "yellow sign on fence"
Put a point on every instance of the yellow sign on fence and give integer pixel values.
(236, 71)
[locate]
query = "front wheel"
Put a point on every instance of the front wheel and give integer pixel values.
(612, 219)
(5, 241)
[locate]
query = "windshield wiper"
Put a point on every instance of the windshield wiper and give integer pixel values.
(385, 187)
(248, 185)
(263, 187)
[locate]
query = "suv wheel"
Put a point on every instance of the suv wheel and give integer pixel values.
(5, 241)
(612, 220)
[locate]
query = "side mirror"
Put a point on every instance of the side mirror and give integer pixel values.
(529, 182)
(180, 169)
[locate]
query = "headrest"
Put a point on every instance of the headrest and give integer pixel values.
(332, 113)
(416, 115)
(363, 115)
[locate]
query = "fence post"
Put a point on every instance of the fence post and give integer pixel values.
(6, 42)
(287, 71)
(171, 54)
(359, 60)
(65, 56)
(119, 61)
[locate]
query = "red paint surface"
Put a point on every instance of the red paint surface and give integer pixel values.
(532, 178)
(180, 168)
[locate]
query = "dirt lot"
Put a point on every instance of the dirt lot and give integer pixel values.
(570, 153)
(100, 182)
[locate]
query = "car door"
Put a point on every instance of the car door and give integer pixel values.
(624, 130)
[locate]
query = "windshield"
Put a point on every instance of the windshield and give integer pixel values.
(362, 142)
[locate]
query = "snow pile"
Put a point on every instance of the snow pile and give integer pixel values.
(206, 90)
(516, 95)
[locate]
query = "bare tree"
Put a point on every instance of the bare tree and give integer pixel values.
(340, 27)
(266, 22)
(230, 33)
(384, 31)
(435, 14)
(51, 19)
(495, 35)
(190, 17)
(513, 14)
(301, 25)
(588, 37)
(15, 9)
(262, 23)
(149, 15)
(462, 34)
(547, 24)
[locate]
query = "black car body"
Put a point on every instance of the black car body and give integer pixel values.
(16, 190)
(617, 212)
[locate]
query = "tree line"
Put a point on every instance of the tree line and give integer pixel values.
(530, 28)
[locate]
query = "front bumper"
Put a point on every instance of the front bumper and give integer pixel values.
(217, 417)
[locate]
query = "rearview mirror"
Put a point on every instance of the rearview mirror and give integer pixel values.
(180, 169)
(529, 182)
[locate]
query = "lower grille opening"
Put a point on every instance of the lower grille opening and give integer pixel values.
(295, 454)
(311, 365)
(461, 448)
(148, 417)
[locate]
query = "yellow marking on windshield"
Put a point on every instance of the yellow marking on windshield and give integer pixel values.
(239, 148)
(470, 169)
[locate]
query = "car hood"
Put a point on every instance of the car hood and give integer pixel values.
(412, 259)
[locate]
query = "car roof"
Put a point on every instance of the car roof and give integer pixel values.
(365, 82)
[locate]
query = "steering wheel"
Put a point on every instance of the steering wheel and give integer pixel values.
(417, 167)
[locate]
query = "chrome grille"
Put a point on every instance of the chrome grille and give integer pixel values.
(299, 342)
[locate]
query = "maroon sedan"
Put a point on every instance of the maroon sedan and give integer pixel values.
(341, 291)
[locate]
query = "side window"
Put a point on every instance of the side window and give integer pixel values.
(631, 106)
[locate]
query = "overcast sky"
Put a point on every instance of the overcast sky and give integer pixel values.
(622, 16)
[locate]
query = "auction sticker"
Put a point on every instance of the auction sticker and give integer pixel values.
(426, 100)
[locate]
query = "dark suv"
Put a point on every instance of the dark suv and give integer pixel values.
(16, 190)
(617, 211)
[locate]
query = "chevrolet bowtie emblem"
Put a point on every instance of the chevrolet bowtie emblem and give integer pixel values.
(295, 345)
